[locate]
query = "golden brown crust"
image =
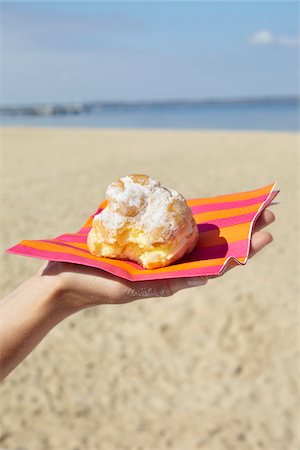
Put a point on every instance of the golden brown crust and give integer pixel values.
(139, 178)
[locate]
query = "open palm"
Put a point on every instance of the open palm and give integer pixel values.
(85, 286)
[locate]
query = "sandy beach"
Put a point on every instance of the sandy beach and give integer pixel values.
(213, 368)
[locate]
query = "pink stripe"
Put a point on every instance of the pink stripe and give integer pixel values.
(84, 230)
(272, 196)
(68, 257)
(56, 256)
(205, 253)
(71, 238)
(199, 254)
(222, 205)
(62, 244)
(98, 211)
(221, 223)
(236, 220)
(237, 248)
(195, 272)
(227, 222)
(228, 205)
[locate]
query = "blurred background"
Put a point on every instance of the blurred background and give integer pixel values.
(168, 64)
(203, 96)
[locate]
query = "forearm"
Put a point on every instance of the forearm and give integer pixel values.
(26, 316)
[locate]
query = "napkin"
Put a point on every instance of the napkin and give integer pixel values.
(225, 225)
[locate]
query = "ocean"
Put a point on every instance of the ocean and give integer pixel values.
(268, 116)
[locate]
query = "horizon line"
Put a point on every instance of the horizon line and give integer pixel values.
(166, 101)
(84, 108)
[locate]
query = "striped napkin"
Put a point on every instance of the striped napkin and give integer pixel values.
(225, 224)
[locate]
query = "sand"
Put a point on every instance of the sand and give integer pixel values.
(212, 368)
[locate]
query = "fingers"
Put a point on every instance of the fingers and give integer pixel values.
(258, 241)
(160, 288)
(178, 284)
(265, 219)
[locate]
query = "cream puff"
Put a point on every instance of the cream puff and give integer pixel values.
(143, 222)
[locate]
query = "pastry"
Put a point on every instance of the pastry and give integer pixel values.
(143, 222)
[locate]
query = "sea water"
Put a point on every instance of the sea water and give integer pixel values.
(268, 116)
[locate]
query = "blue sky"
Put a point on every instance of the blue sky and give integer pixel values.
(76, 51)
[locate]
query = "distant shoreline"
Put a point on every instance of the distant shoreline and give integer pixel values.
(77, 108)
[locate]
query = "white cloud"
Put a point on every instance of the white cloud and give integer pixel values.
(288, 41)
(266, 37)
(263, 37)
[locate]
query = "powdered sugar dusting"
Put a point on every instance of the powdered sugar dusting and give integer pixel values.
(143, 222)
(132, 194)
(145, 206)
(111, 219)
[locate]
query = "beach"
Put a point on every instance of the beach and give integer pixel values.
(211, 368)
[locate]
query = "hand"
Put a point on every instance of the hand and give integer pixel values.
(83, 286)
(60, 289)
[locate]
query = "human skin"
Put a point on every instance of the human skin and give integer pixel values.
(59, 290)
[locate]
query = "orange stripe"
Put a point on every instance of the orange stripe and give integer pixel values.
(76, 244)
(230, 197)
(209, 201)
(119, 263)
(231, 234)
(225, 213)
(193, 265)
(68, 250)
(235, 232)
(102, 204)
(88, 223)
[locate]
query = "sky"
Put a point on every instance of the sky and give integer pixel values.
(72, 51)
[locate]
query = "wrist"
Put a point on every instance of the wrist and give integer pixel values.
(27, 314)
(73, 286)
(51, 290)
(65, 296)
(48, 291)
